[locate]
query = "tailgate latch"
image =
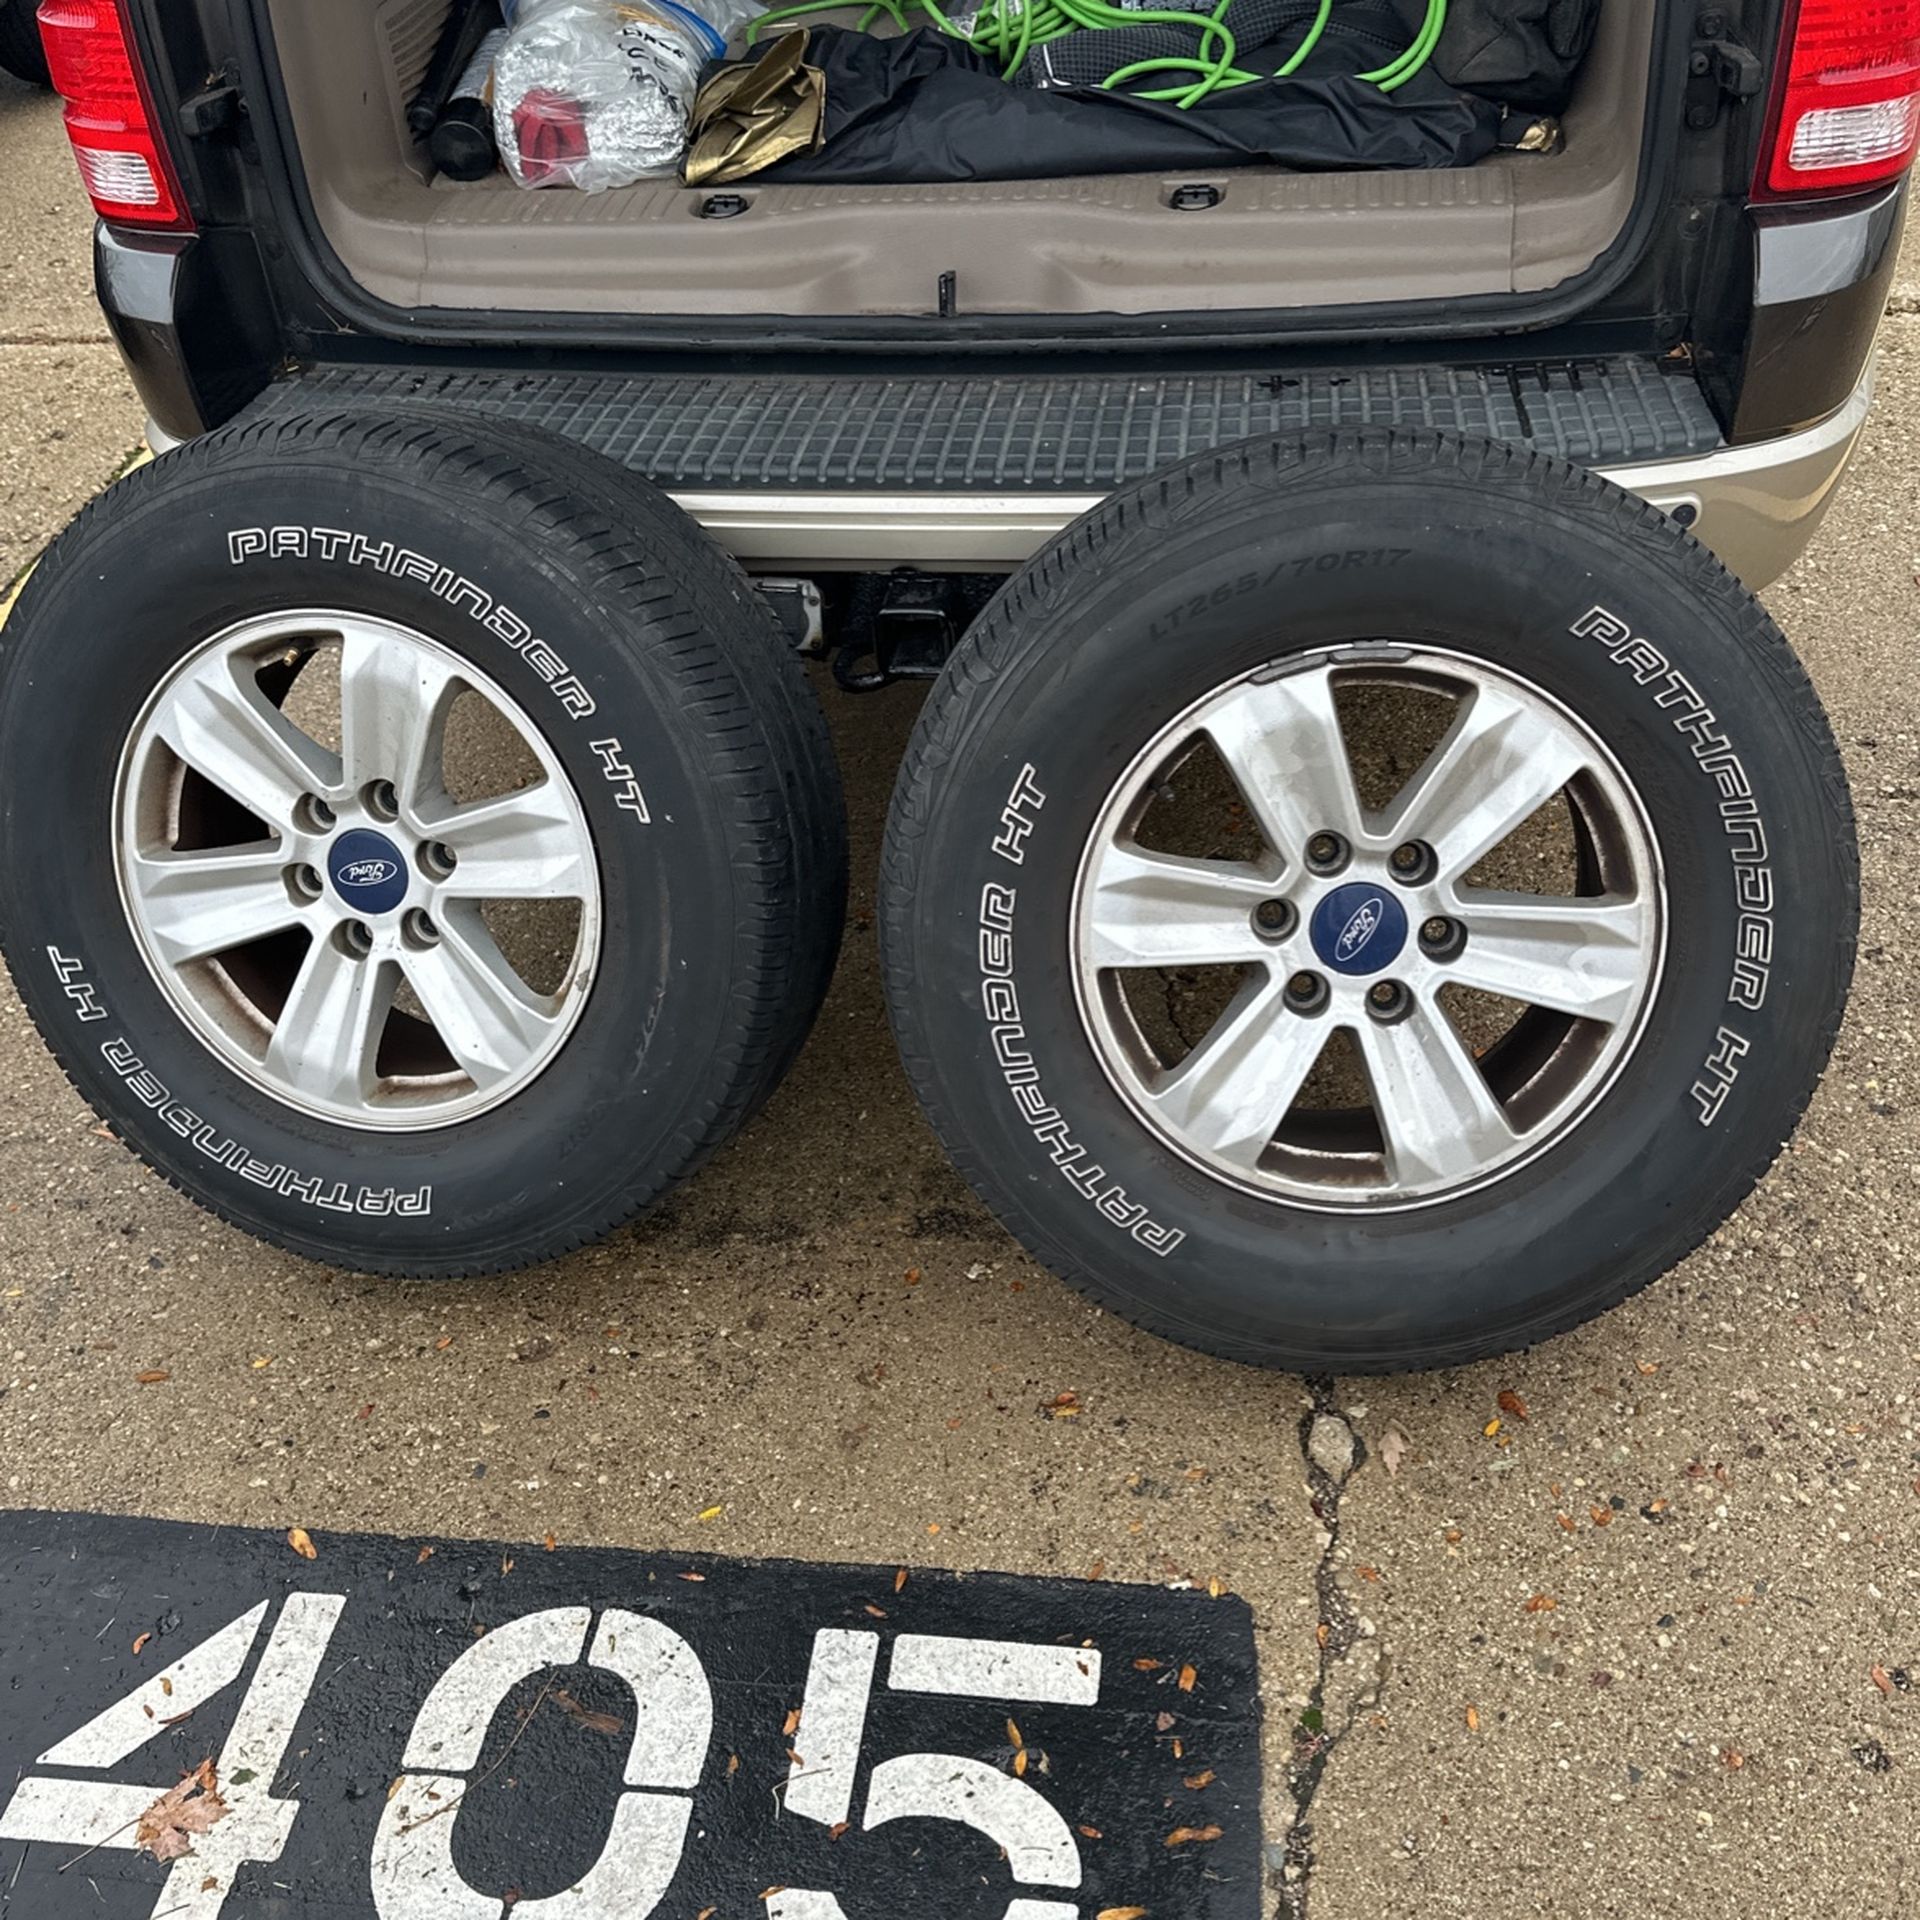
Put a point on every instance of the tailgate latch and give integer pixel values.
(1718, 68)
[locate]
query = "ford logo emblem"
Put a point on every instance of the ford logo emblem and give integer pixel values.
(1362, 925)
(373, 873)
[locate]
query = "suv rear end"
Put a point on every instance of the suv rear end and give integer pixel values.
(1660, 296)
(1334, 903)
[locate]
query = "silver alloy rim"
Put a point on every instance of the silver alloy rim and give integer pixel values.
(342, 959)
(1584, 965)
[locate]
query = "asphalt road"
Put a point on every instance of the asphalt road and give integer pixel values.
(1615, 1657)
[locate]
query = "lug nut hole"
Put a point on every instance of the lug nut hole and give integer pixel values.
(1388, 1001)
(1412, 862)
(355, 938)
(1441, 938)
(304, 883)
(1327, 852)
(380, 800)
(314, 814)
(438, 859)
(417, 927)
(1306, 992)
(1275, 919)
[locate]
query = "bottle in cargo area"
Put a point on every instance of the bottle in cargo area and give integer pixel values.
(462, 144)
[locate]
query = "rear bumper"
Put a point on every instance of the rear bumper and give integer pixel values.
(1756, 506)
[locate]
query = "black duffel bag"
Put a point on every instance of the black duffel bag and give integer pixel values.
(1522, 53)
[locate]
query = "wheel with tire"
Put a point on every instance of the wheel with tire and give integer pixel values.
(418, 843)
(21, 53)
(1368, 903)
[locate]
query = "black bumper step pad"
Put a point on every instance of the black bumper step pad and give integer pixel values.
(884, 434)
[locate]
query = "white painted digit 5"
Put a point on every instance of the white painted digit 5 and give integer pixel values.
(96, 1813)
(1039, 1846)
(414, 1876)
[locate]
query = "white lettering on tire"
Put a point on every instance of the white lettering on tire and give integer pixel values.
(274, 1176)
(1007, 1033)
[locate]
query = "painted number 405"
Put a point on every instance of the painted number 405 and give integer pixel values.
(413, 1874)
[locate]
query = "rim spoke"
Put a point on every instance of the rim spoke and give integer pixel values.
(196, 904)
(1164, 910)
(1437, 1115)
(328, 1033)
(528, 845)
(219, 722)
(393, 710)
(1498, 765)
(1229, 1095)
(486, 1015)
(1580, 956)
(1283, 744)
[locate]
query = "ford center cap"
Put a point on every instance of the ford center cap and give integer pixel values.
(367, 871)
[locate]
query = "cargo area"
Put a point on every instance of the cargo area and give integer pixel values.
(1515, 222)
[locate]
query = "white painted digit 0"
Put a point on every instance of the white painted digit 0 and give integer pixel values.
(414, 1876)
(96, 1813)
(1014, 1815)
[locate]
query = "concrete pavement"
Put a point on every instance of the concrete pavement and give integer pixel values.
(1616, 1656)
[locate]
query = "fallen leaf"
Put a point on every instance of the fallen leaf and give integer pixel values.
(587, 1717)
(733, 1765)
(550, 1543)
(1473, 1719)
(1146, 1666)
(141, 1642)
(1454, 1536)
(1162, 1721)
(1492, 1427)
(1188, 1836)
(1566, 1521)
(696, 1577)
(1542, 1603)
(1121, 1913)
(262, 1360)
(443, 1343)
(423, 1556)
(709, 1513)
(1733, 1758)
(153, 1377)
(878, 1613)
(1393, 1447)
(1646, 1366)
(791, 1724)
(1601, 1516)
(1091, 1833)
(899, 1578)
(1195, 1781)
(1187, 1678)
(1877, 1674)
(167, 1828)
(1368, 1573)
(933, 1526)
(302, 1543)
(1510, 1402)
(913, 1276)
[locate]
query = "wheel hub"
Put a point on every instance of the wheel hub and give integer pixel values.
(1359, 928)
(369, 873)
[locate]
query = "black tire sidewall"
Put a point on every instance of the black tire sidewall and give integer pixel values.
(169, 560)
(1096, 651)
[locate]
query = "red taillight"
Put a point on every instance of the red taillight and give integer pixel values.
(109, 114)
(1847, 108)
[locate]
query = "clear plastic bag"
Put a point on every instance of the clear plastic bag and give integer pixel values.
(595, 93)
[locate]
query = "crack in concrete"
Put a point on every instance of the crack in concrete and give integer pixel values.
(55, 340)
(1332, 1452)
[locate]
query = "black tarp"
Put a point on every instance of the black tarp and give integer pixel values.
(925, 107)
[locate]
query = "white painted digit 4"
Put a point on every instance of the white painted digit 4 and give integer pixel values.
(1039, 1846)
(97, 1813)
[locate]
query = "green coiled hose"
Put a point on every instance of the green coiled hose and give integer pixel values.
(1008, 30)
